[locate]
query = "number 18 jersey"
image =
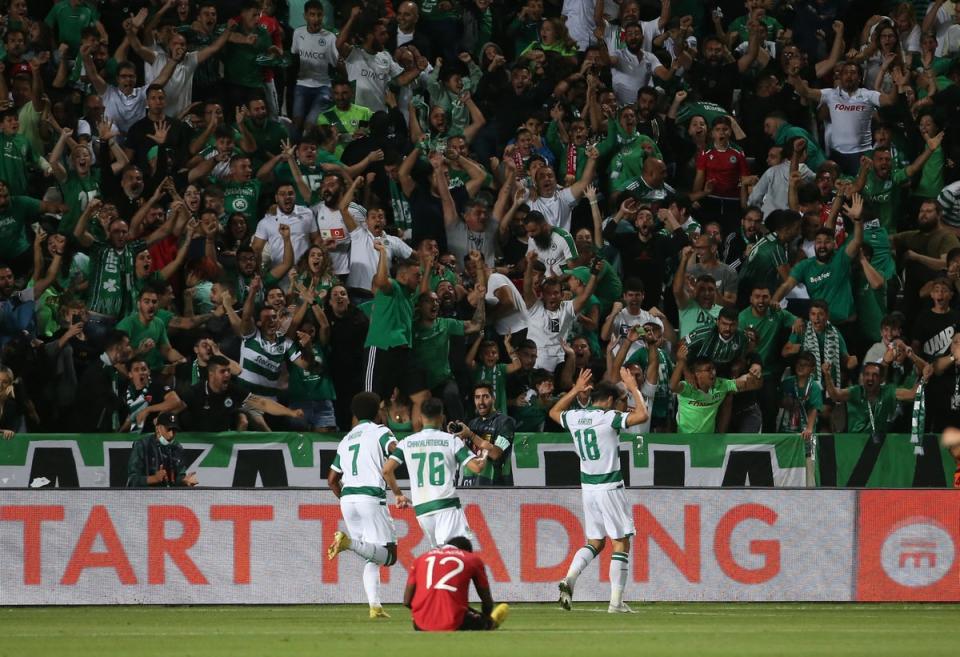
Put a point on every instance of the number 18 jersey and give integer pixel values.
(360, 458)
(432, 457)
(596, 436)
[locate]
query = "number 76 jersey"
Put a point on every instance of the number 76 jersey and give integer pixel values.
(596, 436)
(432, 457)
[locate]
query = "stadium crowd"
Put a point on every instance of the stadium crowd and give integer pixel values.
(247, 211)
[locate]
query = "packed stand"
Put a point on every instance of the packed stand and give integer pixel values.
(247, 212)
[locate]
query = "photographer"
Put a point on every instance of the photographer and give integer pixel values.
(157, 460)
(491, 431)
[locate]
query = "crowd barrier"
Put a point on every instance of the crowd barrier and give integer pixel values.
(276, 460)
(259, 546)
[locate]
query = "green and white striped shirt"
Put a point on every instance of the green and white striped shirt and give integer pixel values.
(262, 362)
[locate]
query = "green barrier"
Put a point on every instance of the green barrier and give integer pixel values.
(302, 459)
(854, 460)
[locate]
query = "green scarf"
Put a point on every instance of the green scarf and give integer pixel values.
(831, 350)
(918, 420)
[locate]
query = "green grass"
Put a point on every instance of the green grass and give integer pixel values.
(669, 629)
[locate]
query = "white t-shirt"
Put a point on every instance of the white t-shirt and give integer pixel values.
(562, 248)
(514, 321)
(557, 209)
(460, 241)
(622, 323)
(179, 89)
(364, 259)
(372, 73)
(331, 226)
(632, 73)
(123, 110)
(850, 117)
(317, 53)
(547, 328)
(580, 23)
(943, 23)
(302, 225)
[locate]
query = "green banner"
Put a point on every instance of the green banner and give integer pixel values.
(855, 460)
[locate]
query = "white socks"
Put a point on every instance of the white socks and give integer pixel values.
(619, 564)
(369, 551)
(371, 582)
(581, 560)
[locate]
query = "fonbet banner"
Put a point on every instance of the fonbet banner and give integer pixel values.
(276, 460)
(268, 547)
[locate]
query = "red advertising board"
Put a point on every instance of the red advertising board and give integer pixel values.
(907, 545)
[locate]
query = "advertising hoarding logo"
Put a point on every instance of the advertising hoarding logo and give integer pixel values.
(918, 553)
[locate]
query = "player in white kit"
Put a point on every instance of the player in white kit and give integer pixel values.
(596, 436)
(356, 477)
(432, 457)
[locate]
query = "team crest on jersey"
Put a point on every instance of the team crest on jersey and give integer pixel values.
(240, 204)
(227, 402)
(733, 159)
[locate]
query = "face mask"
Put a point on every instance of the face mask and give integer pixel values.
(164, 441)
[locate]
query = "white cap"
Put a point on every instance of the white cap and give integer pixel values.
(655, 321)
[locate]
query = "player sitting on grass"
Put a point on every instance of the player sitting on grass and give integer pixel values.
(356, 478)
(438, 589)
(596, 437)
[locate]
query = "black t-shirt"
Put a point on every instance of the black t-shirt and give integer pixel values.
(427, 213)
(934, 332)
(138, 399)
(211, 411)
(715, 83)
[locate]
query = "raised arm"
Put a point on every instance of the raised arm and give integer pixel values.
(822, 68)
(680, 278)
(582, 384)
(933, 143)
(836, 394)
(639, 413)
(854, 211)
(529, 294)
(676, 379)
(405, 173)
(99, 84)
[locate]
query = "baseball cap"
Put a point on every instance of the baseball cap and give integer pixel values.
(168, 420)
(655, 321)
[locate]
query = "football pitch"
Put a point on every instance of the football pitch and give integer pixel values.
(669, 629)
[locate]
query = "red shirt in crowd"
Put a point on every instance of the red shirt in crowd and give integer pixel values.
(724, 169)
(442, 578)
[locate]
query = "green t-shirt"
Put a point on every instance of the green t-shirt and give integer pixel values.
(879, 240)
(810, 397)
(268, 138)
(739, 25)
(763, 262)
(709, 111)
(69, 22)
(242, 197)
(240, 60)
(391, 318)
(697, 410)
(345, 121)
(871, 307)
(314, 384)
(841, 343)
(313, 176)
(138, 332)
(20, 211)
(431, 348)
(430, 9)
(769, 329)
(693, 317)
(931, 176)
(859, 409)
(883, 196)
(497, 376)
(77, 193)
(829, 281)
(815, 156)
(16, 155)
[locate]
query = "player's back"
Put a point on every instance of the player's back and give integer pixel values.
(442, 578)
(360, 458)
(596, 436)
(432, 457)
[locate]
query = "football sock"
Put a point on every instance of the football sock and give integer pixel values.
(371, 583)
(370, 551)
(618, 576)
(581, 560)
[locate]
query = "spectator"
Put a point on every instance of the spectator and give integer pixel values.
(699, 402)
(872, 405)
(145, 398)
(496, 428)
(158, 459)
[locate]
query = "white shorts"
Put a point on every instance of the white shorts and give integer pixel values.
(443, 525)
(606, 513)
(367, 519)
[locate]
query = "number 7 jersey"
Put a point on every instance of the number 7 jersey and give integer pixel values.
(596, 436)
(432, 457)
(360, 458)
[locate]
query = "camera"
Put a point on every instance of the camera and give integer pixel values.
(455, 426)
